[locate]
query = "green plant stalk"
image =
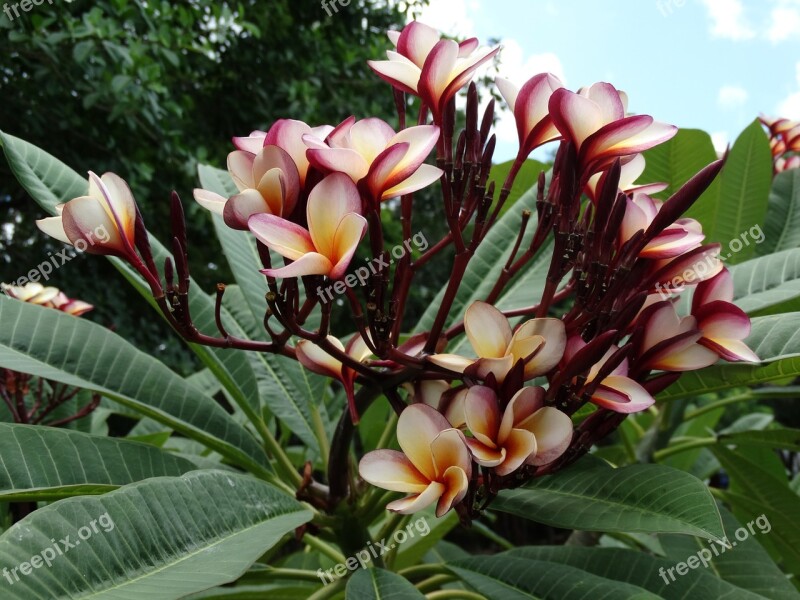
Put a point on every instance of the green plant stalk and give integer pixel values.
(392, 554)
(390, 526)
(719, 404)
(678, 448)
(328, 591)
(424, 571)
(270, 574)
(324, 547)
(283, 464)
(320, 433)
(490, 535)
(454, 595)
(434, 582)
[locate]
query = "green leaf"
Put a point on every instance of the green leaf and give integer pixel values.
(765, 495)
(728, 210)
(678, 160)
(782, 223)
(380, 584)
(639, 569)
(506, 577)
(284, 385)
(747, 565)
(54, 345)
(163, 538)
(46, 463)
(766, 281)
(788, 439)
(50, 182)
(776, 341)
(526, 179)
(593, 496)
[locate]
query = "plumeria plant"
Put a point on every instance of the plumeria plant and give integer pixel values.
(529, 387)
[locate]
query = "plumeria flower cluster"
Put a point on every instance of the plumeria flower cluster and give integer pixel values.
(487, 398)
(784, 141)
(51, 297)
(32, 400)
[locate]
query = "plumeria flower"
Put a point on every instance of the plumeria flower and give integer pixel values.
(792, 138)
(531, 111)
(778, 125)
(689, 268)
(680, 237)
(723, 324)
(670, 343)
(527, 432)
(335, 228)
(315, 359)
(594, 121)
(427, 391)
(784, 164)
(630, 171)
(617, 391)
(430, 67)
(268, 183)
(287, 134)
(102, 222)
(389, 164)
(434, 465)
(539, 343)
(51, 297)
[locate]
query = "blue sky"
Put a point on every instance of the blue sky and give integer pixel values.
(708, 64)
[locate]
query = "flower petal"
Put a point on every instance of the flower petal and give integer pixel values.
(575, 117)
(391, 470)
(210, 200)
(328, 203)
(519, 446)
(555, 336)
(417, 502)
(453, 362)
(286, 238)
(456, 483)
(630, 397)
(54, 227)
(239, 208)
(449, 449)
(521, 406)
(315, 359)
(312, 263)
(240, 167)
(417, 428)
(553, 431)
(487, 330)
(424, 176)
(345, 242)
(482, 413)
(84, 216)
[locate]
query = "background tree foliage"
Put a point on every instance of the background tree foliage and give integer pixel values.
(149, 89)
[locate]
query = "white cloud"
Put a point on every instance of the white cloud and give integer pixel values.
(728, 20)
(789, 108)
(784, 21)
(732, 96)
(451, 17)
(720, 139)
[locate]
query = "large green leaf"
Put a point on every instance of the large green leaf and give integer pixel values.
(284, 385)
(46, 463)
(593, 496)
(764, 494)
(506, 577)
(776, 341)
(747, 565)
(640, 569)
(58, 346)
(767, 281)
(526, 178)
(380, 584)
(50, 182)
(782, 223)
(728, 210)
(678, 160)
(160, 539)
